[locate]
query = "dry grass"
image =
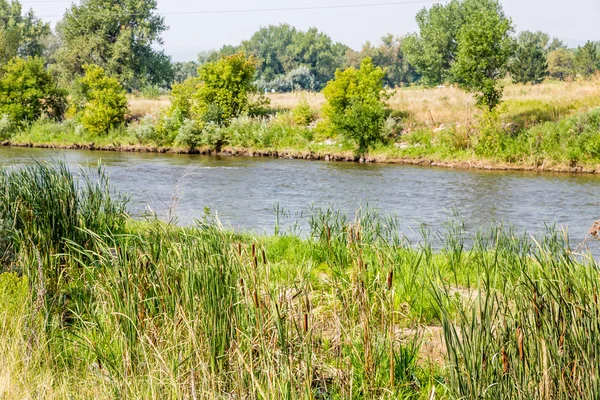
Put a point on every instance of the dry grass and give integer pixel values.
(140, 107)
(433, 107)
(452, 105)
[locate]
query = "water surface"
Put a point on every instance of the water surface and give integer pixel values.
(243, 191)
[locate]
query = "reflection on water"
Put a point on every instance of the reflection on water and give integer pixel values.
(243, 191)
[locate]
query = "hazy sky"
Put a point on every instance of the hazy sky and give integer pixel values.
(573, 20)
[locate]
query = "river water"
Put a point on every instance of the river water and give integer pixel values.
(244, 191)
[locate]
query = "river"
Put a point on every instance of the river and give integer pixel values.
(243, 191)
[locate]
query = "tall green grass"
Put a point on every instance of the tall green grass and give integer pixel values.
(144, 309)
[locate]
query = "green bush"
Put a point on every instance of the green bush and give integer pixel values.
(302, 113)
(100, 100)
(223, 90)
(7, 127)
(356, 105)
(189, 134)
(145, 131)
(28, 91)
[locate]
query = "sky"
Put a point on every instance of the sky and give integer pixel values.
(191, 30)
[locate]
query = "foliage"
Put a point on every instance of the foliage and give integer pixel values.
(587, 59)
(21, 34)
(297, 79)
(529, 63)
(185, 70)
(389, 55)
(119, 37)
(223, 90)
(433, 50)
(281, 49)
(302, 113)
(28, 91)
(484, 47)
(100, 100)
(356, 105)
(561, 64)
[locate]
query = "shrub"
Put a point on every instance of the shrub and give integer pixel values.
(302, 114)
(189, 134)
(100, 100)
(223, 90)
(7, 127)
(145, 131)
(150, 92)
(226, 89)
(28, 90)
(356, 105)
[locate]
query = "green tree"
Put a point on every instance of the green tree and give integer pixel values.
(356, 106)
(390, 56)
(281, 49)
(561, 64)
(21, 34)
(28, 91)
(556, 44)
(100, 100)
(587, 59)
(484, 48)
(223, 90)
(184, 70)
(529, 63)
(118, 36)
(433, 50)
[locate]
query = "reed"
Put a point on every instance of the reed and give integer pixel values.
(145, 309)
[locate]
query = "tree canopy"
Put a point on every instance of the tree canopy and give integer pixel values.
(119, 37)
(21, 34)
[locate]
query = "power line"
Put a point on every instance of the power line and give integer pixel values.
(255, 10)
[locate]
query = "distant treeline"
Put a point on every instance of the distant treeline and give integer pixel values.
(122, 37)
(290, 59)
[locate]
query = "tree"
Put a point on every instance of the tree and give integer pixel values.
(561, 64)
(118, 36)
(434, 50)
(587, 59)
(28, 90)
(184, 70)
(282, 48)
(356, 105)
(529, 63)
(390, 56)
(223, 90)
(21, 34)
(100, 100)
(556, 44)
(484, 48)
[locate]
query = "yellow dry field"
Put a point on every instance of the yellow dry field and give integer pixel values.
(435, 106)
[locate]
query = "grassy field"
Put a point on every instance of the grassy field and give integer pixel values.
(94, 304)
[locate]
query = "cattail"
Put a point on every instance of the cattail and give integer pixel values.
(264, 256)
(390, 279)
(255, 298)
(305, 322)
(520, 337)
(505, 361)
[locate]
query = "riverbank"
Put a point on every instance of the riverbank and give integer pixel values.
(464, 162)
(95, 304)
